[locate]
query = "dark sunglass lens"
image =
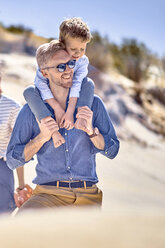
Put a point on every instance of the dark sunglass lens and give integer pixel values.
(71, 64)
(61, 67)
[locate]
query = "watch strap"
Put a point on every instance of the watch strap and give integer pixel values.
(95, 133)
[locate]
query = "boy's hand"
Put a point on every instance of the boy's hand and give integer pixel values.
(22, 195)
(59, 112)
(67, 121)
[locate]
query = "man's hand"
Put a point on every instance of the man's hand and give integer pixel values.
(47, 127)
(86, 114)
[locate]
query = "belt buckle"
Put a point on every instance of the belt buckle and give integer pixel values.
(70, 185)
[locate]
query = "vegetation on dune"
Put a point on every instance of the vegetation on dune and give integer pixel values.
(131, 58)
(17, 29)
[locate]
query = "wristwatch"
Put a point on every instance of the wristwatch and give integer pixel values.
(95, 133)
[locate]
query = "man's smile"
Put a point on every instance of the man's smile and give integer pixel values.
(67, 76)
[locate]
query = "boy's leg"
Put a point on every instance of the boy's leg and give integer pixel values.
(35, 102)
(39, 109)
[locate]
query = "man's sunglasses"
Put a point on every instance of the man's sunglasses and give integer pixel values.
(62, 67)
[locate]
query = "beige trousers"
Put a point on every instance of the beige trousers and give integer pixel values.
(51, 196)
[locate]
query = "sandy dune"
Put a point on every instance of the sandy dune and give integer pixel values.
(133, 211)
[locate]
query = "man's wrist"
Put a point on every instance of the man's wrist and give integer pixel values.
(41, 138)
(93, 133)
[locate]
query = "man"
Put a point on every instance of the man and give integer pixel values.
(65, 175)
(8, 113)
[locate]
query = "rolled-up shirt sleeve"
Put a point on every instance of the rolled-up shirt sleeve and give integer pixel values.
(81, 71)
(102, 121)
(21, 135)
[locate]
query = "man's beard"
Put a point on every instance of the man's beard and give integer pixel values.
(65, 85)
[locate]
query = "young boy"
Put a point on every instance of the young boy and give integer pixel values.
(8, 200)
(75, 35)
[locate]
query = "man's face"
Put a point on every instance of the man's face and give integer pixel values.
(63, 79)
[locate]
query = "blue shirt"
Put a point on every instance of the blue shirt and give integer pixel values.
(74, 160)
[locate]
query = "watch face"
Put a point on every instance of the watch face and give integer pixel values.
(96, 131)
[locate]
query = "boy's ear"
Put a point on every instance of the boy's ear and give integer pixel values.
(44, 73)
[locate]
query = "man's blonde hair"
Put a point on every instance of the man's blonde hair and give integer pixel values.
(46, 52)
(74, 28)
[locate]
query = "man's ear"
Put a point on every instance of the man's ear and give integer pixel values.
(44, 73)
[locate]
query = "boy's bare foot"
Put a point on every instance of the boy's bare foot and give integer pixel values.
(58, 139)
(81, 124)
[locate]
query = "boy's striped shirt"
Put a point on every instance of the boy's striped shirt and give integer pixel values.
(9, 110)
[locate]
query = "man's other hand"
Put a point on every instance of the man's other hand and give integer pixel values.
(86, 114)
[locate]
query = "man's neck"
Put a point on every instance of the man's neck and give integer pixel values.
(60, 94)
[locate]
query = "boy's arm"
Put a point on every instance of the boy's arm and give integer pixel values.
(81, 71)
(20, 175)
(59, 112)
(42, 84)
(67, 120)
(72, 105)
(23, 192)
(82, 87)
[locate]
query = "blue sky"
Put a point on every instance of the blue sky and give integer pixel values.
(140, 19)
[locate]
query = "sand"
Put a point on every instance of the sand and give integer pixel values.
(133, 211)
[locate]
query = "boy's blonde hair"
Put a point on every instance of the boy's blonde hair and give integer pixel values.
(74, 28)
(46, 52)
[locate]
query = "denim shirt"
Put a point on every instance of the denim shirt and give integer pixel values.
(74, 160)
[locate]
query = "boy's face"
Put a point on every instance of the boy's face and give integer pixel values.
(75, 47)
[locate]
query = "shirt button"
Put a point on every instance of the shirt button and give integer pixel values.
(105, 152)
(68, 167)
(65, 134)
(71, 178)
(67, 150)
